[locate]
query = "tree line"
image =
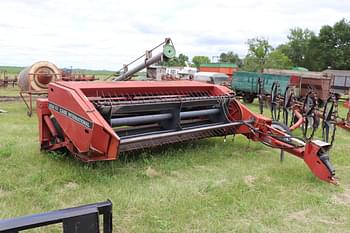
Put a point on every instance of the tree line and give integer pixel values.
(329, 48)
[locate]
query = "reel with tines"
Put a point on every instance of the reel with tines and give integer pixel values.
(289, 100)
(260, 91)
(329, 116)
(311, 120)
(275, 104)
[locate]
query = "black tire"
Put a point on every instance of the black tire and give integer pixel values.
(248, 98)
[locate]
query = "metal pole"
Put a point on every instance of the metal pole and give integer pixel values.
(145, 119)
(182, 132)
(127, 75)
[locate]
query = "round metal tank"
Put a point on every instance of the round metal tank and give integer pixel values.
(37, 76)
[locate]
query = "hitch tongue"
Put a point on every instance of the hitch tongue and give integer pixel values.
(317, 158)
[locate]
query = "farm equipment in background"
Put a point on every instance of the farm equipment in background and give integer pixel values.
(5, 80)
(340, 81)
(287, 108)
(304, 81)
(225, 68)
(345, 122)
(82, 219)
(34, 80)
(69, 75)
(96, 122)
(245, 84)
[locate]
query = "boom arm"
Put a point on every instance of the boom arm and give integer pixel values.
(167, 53)
(314, 153)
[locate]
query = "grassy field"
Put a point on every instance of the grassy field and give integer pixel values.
(99, 74)
(202, 186)
(11, 70)
(9, 91)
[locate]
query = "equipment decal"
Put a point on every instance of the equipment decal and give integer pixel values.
(71, 115)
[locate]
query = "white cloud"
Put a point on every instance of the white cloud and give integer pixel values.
(108, 33)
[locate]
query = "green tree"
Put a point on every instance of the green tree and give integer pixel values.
(298, 45)
(176, 61)
(182, 59)
(315, 57)
(278, 60)
(197, 60)
(334, 43)
(275, 60)
(330, 48)
(251, 63)
(258, 51)
(230, 57)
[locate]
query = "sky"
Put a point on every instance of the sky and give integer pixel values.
(105, 34)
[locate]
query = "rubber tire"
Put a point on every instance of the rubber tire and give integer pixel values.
(248, 98)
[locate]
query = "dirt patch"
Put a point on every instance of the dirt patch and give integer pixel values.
(71, 185)
(220, 182)
(14, 98)
(344, 197)
(268, 179)
(150, 172)
(3, 193)
(249, 180)
(299, 215)
(175, 173)
(332, 221)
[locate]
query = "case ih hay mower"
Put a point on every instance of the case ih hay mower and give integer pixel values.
(97, 121)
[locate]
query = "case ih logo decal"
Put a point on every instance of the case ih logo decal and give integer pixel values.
(71, 115)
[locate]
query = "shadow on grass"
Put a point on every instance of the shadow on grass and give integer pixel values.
(185, 155)
(139, 157)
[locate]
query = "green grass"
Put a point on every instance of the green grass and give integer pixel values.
(11, 70)
(100, 74)
(9, 91)
(202, 186)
